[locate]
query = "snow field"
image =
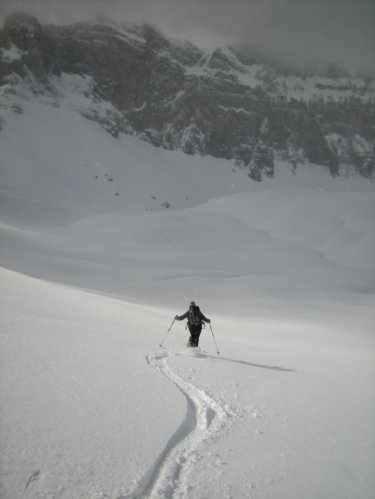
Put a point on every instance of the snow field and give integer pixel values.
(91, 406)
(70, 371)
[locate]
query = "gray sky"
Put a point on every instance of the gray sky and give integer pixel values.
(298, 31)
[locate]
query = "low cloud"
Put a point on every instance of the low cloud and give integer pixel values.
(296, 31)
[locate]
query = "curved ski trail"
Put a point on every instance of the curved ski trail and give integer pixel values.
(205, 420)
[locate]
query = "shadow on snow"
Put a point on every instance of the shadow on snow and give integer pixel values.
(245, 363)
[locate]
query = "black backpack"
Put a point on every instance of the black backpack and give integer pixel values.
(195, 316)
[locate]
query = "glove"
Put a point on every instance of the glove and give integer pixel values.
(176, 317)
(209, 321)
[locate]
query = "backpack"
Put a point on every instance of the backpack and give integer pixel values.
(195, 316)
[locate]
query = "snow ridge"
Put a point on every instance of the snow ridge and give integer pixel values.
(204, 421)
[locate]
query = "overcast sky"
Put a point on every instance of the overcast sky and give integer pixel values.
(342, 31)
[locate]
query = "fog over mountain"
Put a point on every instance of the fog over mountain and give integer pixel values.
(296, 31)
(229, 102)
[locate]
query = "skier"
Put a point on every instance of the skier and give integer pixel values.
(195, 321)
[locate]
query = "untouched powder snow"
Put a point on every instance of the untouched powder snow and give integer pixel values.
(93, 269)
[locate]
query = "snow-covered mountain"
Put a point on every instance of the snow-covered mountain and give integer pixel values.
(104, 238)
(227, 103)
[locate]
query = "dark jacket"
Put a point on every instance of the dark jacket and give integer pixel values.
(194, 316)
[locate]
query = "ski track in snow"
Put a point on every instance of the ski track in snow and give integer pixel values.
(204, 421)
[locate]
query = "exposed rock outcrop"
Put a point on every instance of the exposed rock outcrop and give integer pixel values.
(225, 103)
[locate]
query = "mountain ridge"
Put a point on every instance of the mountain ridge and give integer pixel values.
(221, 103)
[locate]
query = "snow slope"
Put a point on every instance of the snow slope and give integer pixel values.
(94, 268)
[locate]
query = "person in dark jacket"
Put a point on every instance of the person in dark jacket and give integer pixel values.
(195, 320)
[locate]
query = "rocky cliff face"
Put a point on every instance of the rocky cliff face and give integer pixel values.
(227, 103)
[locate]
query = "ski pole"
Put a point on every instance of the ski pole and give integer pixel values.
(170, 327)
(217, 350)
